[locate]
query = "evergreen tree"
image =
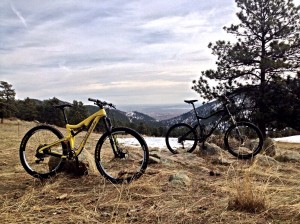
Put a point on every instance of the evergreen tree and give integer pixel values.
(77, 113)
(7, 93)
(267, 49)
(141, 128)
(7, 99)
(49, 114)
(282, 99)
(27, 109)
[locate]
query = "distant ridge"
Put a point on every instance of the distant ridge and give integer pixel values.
(138, 117)
(125, 117)
(189, 117)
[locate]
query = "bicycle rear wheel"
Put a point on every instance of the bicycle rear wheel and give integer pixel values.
(122, 155)
(41, 165)
(243, 140)
(181, 138)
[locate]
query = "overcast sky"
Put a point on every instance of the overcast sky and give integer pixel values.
(125, 52)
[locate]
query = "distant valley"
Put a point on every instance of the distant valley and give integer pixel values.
(158, 112)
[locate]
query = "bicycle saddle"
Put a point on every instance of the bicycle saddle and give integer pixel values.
(62, 106)
(190, 101)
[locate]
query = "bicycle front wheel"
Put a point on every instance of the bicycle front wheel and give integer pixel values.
(243, 140)
(181, 138)
(41, 165)
(122, 155)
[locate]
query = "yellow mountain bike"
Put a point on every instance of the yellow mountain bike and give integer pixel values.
(121, 154)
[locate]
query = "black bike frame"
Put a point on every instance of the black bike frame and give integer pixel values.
(202, 136)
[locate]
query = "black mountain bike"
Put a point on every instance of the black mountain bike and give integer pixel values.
(242, 139)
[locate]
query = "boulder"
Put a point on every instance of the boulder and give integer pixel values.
(288, 156)
(218, 140)
(86, 165)
(180, 178)
(153, 160)
(210, 149)
(269, 147)
(69, 167)
(221, 161)
(264, 160)
(89, 160)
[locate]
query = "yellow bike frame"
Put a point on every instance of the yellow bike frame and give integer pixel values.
(70, 136)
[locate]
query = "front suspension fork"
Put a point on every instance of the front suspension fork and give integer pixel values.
(112, 139)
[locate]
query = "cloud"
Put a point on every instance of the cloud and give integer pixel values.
(80, 49)
(18, 14)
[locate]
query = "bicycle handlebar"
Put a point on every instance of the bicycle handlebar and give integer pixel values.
(101, 103)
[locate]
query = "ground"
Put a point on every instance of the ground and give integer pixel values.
(231, 192)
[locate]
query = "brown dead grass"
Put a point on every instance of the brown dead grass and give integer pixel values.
(248, 197)
(152, 198)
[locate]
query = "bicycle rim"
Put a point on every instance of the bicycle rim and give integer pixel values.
(243, 140)
(130, 160)
(181, 138)
(40, 165)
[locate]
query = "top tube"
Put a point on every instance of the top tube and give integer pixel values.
(88, 120)
(211, 115)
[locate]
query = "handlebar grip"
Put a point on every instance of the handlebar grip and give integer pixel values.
(111, 105)
(93, 100)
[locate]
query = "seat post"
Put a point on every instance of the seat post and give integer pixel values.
(62, 107)
(194, 109)
(65, 117)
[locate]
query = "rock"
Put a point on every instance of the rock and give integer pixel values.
(210, 149)
(87, 158)
(156, 155)
(70, 167)
(180, 178)
(218, 140)
(221, 161)
(86, 165)
(288, 156)
(187, 159)
(269, 147)
(264, 160)
(153, 160)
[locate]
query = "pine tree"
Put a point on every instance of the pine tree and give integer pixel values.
(7, 100)
(77, 113)
(49, 114)
(267, 49)
(27, 109)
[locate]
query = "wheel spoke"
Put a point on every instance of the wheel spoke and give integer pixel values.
(243, 140)
(37, 163)
(181, 138)
(130, 160)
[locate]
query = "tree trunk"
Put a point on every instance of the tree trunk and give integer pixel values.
(261, 104)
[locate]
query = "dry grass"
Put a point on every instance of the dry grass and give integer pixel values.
(245, 192)
(249, 197)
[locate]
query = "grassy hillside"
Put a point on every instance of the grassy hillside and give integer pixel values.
(241, 192)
